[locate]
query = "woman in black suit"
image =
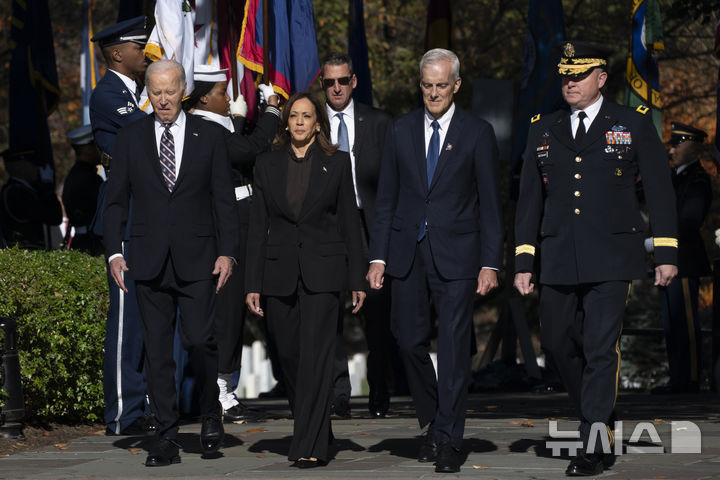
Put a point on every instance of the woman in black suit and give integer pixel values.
(304, 249)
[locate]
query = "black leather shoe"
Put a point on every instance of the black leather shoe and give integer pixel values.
(305, 463)
(165, 452)
(340, 408)
(243, 414)
(278, 391)
(378, 403)
(428, 450)
(144, 425)
(211, 434)
(585, 464)
(448, 459)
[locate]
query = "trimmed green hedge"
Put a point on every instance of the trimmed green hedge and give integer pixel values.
(59, 300)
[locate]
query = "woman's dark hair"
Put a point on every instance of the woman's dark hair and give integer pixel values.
(201, 89)
(322, 137)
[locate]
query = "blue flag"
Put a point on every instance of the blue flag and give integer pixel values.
(34, 88)
(540, 86)
(358, 51)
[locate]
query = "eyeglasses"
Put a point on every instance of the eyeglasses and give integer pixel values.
(330, 82)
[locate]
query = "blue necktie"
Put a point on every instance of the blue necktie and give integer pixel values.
(167, 157)
(432, 159)
(343, 140)
(433, 152)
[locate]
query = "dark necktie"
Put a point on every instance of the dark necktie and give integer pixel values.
(580, 132)
(343, 139)
(433, 151)
(167, 157)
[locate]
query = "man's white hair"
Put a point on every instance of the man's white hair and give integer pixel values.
(165, 65)
(437, 55)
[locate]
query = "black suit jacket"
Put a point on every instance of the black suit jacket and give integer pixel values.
(321, 246)
(694, 196)
(578, 203)
(462, 204)
(195, 223)
(370, 128)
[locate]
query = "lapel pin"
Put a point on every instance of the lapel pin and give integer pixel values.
(449, 147)
(195, 134)
(324, 169)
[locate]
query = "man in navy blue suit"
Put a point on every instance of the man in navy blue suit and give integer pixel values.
(437, 234)
(113, 105)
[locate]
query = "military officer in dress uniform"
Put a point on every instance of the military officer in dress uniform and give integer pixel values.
(80, 191)
(579, 216)
(113, 105)
(679, 300)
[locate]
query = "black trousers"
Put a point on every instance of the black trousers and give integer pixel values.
(158, 302)
(303, 326)
(683, 337)
(580, 328)
(443, 400)
(230, 311)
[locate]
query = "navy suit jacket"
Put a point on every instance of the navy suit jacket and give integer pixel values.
(462, 204)
(196, 222)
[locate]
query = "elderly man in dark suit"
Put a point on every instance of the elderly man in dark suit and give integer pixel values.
(437, 234)
(578, 210)
(360, 130)
(185, 232)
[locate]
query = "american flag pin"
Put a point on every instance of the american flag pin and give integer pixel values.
(325, 169)
(449, 147)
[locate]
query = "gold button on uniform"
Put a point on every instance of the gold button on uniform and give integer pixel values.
(578, 159)
(577, 193)
(577, 211)
(578, 176)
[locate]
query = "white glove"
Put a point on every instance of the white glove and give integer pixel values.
(238, 107)
(649, 244)
(717, 237)
(266, 91)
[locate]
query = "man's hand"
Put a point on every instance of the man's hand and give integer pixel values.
(522, 283)
(358, 298)
(223, 268)
(376, 275)
(487, 280)
(664, 274)
(253, 302)
(117, 267)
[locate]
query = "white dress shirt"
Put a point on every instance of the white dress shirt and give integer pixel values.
(444, 122)
(591, 113)
(178, 131)
(223, 120)
(349, 119)
(129, 83)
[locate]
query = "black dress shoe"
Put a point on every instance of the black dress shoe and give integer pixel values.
(378, 403)
(278, 391)
(165, 452)
(340, 408)
(448, 459)
(144, 425)
(428, 450)
(243, 414)
(305, 463)
(585, 464)
(211, 434)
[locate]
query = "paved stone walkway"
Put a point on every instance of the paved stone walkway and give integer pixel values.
(505, 438)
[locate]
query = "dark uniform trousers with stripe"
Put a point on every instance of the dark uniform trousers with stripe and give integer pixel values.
(578, 225)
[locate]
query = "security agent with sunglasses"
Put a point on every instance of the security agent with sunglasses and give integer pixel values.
(578, 220)
(360, 130)
(679, 300)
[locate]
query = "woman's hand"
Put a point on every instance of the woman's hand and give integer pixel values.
(358, 297)
(253, 302)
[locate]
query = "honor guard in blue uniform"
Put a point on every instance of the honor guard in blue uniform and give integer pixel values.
(679, 300)
(113, 105)
(578, 228)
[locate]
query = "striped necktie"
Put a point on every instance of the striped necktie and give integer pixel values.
(167, 157)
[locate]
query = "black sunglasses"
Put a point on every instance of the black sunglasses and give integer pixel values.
(330, 82)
